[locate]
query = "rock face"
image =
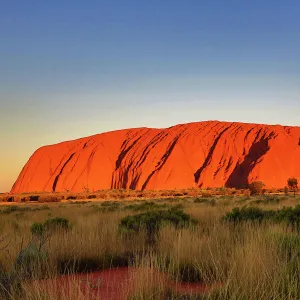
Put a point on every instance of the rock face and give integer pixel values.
(200, 154)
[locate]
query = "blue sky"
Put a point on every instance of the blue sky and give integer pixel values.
(74, 68)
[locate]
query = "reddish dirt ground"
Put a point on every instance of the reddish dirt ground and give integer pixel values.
(113, 284)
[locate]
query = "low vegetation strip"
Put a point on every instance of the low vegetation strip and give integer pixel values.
(287, 215)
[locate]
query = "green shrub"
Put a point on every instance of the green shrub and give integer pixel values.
(43, 230)
(290, 216)
(37, 229)
(57, 223)
(152, 221)
(245, 214)
(287, 215)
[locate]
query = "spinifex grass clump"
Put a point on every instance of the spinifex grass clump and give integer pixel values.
(152, 221)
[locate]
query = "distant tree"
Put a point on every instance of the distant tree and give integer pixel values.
(256, 187)
(293, 184)
(286, 190)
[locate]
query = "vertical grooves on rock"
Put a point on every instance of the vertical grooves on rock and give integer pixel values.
(161, 162)
(57, 177)
(210, 153)
(209, 156)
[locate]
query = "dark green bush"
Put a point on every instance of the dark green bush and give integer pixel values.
(37, 229)
(57, 223)
(152, 221)
(290, 216)
(287, 215)
(42, 229)
(245, 214)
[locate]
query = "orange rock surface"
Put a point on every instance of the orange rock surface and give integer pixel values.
(198, 154)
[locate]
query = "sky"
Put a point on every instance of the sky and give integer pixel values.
(70, 69)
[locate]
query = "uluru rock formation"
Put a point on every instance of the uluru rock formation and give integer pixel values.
(201, 154)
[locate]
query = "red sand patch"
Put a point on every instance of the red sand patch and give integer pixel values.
(115, 284)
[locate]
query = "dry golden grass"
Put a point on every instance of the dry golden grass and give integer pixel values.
(243, 261)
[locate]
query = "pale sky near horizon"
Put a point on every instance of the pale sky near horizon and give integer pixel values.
(73, 69)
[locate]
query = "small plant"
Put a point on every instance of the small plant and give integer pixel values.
(293, 184)
(256, 188)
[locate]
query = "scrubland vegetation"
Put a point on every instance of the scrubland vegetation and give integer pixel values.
(240, 247)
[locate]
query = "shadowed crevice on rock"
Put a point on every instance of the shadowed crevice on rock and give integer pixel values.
(62, 169)
(239, 176)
